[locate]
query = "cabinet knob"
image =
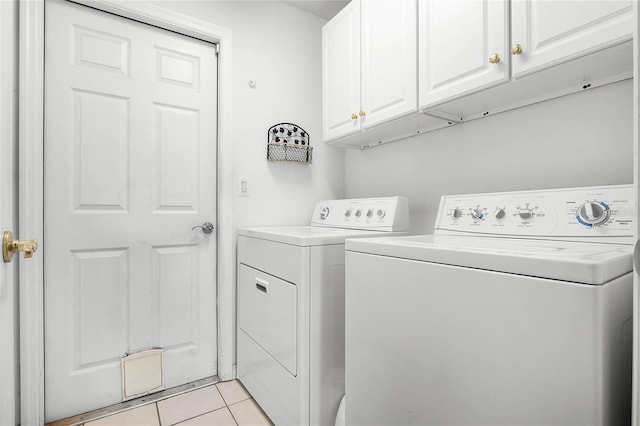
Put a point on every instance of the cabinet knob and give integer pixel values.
(494, 59)
(354, 116)
(516, 49)
(362, 113)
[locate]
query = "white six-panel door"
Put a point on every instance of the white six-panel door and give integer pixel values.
(130, 169)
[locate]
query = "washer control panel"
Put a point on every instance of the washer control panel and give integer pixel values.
(387, 213)
(604, 211)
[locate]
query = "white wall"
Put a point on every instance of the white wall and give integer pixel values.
(578, 140)
(279, 47)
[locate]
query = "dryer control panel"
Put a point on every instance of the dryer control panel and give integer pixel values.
(382, 214)
(589, 213)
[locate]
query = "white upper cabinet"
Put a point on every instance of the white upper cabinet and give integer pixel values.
(552, 32)
(341, 73)
(369, 61)
(389, 59)
(463, 47)
(556, 48)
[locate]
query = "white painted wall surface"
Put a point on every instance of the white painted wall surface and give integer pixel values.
(578, 140)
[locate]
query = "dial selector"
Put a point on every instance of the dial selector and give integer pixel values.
(456, 213)
(525, 212)
(358, 212)
(381, 213)
(477, 213)
(348, 212)
(499, 213)
(593, 213)
(324, 212)
(369, 212)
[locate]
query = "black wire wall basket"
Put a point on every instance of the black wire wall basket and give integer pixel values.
(290, 143)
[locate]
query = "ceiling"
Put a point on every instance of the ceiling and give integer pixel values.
(326, 9)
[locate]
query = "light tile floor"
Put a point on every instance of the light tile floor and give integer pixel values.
(222, 404)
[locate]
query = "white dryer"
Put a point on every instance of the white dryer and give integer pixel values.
(290, 348)
(518, 311)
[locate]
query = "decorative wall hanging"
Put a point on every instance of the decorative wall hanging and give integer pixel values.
(290, 143)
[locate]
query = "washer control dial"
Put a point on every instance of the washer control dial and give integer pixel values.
(348, 212)
(525, 212)
(381, 213)
(369, 212)
(477, 213)
(358, 212)
(456, 213)
(324, 212)
(593, 213)
(500, 213)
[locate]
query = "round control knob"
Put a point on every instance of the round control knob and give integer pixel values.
(456, 213)
(369, 212)
(477, 213)
(593, 213)
(381, 213)
(348, 212)
(358, 212)
(499, 213)
(525, 214)
(324, 212)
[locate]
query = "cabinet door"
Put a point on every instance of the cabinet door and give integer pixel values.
(341, 73)
(456, 41)
(551, 32)
(389, 60)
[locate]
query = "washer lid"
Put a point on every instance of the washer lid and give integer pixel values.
(305, 236)
(588, 263)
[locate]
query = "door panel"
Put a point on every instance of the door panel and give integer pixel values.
(130, 155)
(456, 40)
(555, 32)
(341, 73)
(389, 64)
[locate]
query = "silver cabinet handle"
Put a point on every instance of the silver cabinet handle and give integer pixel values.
(206, 227)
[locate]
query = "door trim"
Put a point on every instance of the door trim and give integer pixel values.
(31, 189)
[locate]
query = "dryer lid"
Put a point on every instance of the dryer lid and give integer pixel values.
(588, 263)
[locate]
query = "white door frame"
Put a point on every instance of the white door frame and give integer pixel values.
(31, 191)
(635, 401)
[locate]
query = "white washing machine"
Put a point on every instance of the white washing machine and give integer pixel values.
(290, 352)
(518, 311)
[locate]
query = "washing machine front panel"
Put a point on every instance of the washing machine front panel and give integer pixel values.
(436, 344)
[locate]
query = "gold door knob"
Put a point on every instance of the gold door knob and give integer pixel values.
(354, 116)
(362, 113)
(494, 59)
(11, 246)
(516, 49)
